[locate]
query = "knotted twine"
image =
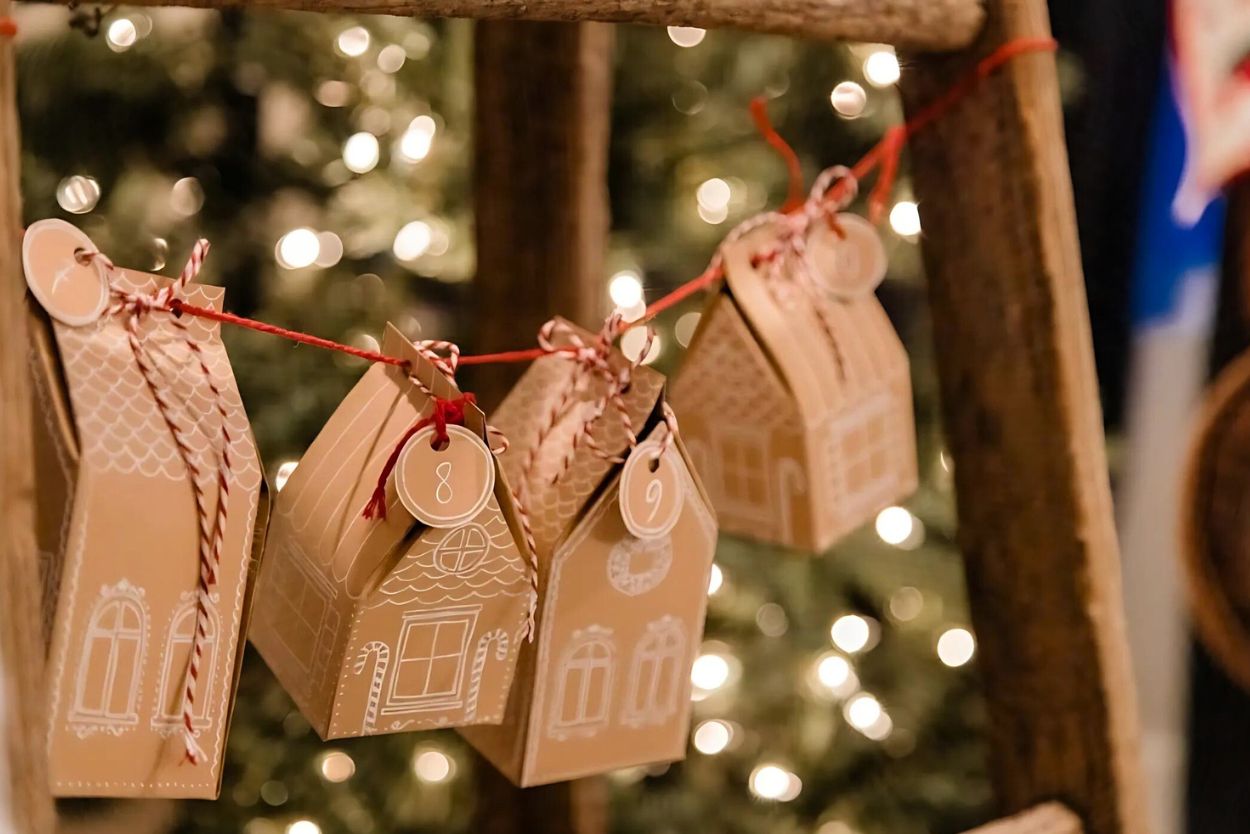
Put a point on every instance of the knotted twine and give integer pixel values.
(211, 527)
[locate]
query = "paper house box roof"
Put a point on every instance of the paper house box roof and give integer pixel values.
(117, 532)
(802, 430)
(386, 625)
(607, 682)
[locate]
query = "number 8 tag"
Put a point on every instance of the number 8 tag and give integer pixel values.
(651, 490)
(445, 487)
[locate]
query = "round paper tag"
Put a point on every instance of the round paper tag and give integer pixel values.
(651, 495)
(848, 267)
(445, 487)
(73, 293)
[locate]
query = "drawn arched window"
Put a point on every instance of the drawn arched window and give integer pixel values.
(656, 674)
(584, 691)
(463, 549)
(174, 666)
(110, 667)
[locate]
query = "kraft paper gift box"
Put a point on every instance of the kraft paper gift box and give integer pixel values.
(800, 426)
(606, 684)
(384, 625)
(117, 531)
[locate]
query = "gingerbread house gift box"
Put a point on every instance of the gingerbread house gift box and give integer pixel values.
(396, 623)
(622, 594)
(795, 394)
(118, 531)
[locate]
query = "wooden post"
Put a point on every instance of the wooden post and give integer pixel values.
(540, 186)
(21, 649)
(1022, 416)
(540, 183)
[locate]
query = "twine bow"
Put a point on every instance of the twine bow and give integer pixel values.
(211, 526)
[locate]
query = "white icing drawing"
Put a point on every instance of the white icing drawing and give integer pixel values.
(381, 657)
(655, 674)
(500, 640)
(110, 668)
(636, 566)
(584, 692)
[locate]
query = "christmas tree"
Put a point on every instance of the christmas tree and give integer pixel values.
(327, 159)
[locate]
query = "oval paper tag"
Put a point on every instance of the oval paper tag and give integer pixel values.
(447, 487)
(848, 267)
(71, 292)
(651, 494)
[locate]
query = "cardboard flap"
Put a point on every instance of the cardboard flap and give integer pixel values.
(555, 381)
(792, 336)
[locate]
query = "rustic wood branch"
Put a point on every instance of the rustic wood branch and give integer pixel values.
(21, 649)
(1051, 818)
(1022, 416)
(543, 95)
(928, 25)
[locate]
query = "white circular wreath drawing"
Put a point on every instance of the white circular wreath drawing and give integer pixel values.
(636, 566)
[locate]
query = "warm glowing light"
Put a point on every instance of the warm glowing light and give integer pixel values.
(774, 782)
(715, 580)
(330, 249)
(835, 674)
(391, 58)
(709, 672)
(360, 152)
(186, 197)
(417, 140)
(895, 525)
(712, 737)
(634, 342)
(303, 827)
(881, 68)
(905, 218)
(433, 766)
(284, 473)
(684, 329)
(297, 249)
(78, 194)
(121, 34)
(849, 99)
(334, 93)
(862, 711)
(956, 647)
(353, 42)
(850, 633)
(714, 194)
(906, 604)
(686, 36)
(713, 217)
(337, 766)
(413, 240)
(625, 288)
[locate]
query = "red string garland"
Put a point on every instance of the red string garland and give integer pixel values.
(883, 156)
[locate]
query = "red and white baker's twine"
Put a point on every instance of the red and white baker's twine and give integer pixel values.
(212, 525)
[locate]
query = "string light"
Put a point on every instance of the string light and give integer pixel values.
(862, 711)
(413, 240)
(851, 633)
(686, 36)
(835, 675)
(353, 42)
(336, 766)
(713, 217)
(78, 194)
(297, 249)
(771, 620)
(774, 782)
(714, 194)
(303, 827)
(684, 329)
(186, 197)
(881, 68)
(710, 672)
(625, 288)
(391, 58)
(360, 152)
(712, 737)
(956, 647)
(906, 604)
(284, 473)
(417, 140)
(121, 34)
(849, 99)
(333, 93)
(905, 219)
(895, 525)
(715, 580)
(329, 249)
(432, 766)
(634, 341)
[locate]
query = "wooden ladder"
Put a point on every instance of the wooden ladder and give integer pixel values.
(1012, 334)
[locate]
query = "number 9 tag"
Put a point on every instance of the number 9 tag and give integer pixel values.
(445, 487)
(651, 490)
